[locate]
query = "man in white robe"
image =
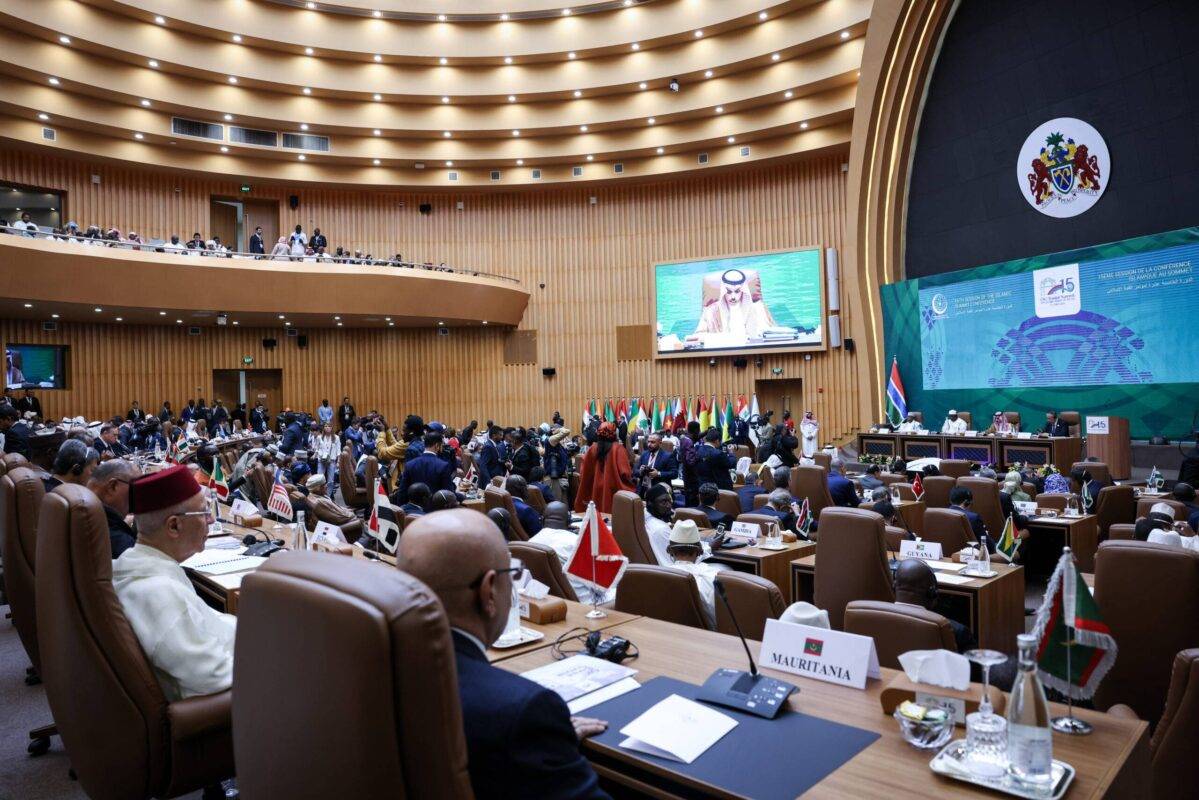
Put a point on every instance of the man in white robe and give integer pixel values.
(809, 430)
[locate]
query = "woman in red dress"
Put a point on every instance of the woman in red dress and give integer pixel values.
(605, 471)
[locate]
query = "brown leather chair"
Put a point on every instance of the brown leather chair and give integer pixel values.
(1030, 489)
(1073, 419)
(13, 460)
(889, 478)
(728, 502)
(955, 467)
(261, 478)
(1133, 579)
(897, 628)
(968, 417)
(937, 489)
(1013, 417)
(1174, 770)
(1114, 504)
(536, 500)
(754, 600)
(498, 497)
(322, 509)
(125, 739)
(823, 460)
(766, 480)
(1122, 531)
(312, 632)
(948, 528)
(917, 415)
(21, 494)
(1054, 500)
(760, 500)
(665, 593)
(701, 519)
(895, 536)
(1144, 504)
(742, 451)
(986, 503)
(812, 483)
(351, 494)
(851, 561)
(1099, 471)
(543, 563)
(628, 528)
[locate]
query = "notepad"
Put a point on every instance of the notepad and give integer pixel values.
(578, 675)
(947, 566)
(944, 577)
(603, 695)
(221, 562)
(676, 728)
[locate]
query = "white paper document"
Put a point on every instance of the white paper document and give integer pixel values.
(946, 577)
(585, 702)
(222, 562)
(676, 728)
(576, 676)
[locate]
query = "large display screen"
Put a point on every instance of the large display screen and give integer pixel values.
(1127, 319)
(766, 301)
(42, 366)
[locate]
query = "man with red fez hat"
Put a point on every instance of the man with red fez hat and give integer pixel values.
(189, 645)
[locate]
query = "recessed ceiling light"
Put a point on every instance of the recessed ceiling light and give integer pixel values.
(228, 118)
(376, 14)
(146, 103)
(449, 163)
(698, 34)
(287, 324)
(378, 58)
(578, 93)
(504, 17)
(282, 316)
(303, 126)
(844, 34)
(507, 59)
(661, 150)
(97, 309)
(376, 162)
(788, 94)
(303, 157)
(775, 56)
(707, 73)
(803, 126)
(336, 318)
(178, 322)
(54, 81)
(719, 109)
(572, 55)
(443, 61)
(377, 97)
(732, 139)
(446, 134)
(636, 45)
(387, 318)
(138, 136)
(515, 132)
(162, 313)
(120, 319)
(44, 117)
(583, 128)
(643, 85)
(441, 17)
(29, 305)
(511, 98)
(566, 12)
(224, 149)
(237, 38)
(64, 39)
(591, 158)
(306, 90)
(762, 15)
(153, 64)
(520, 162)
(651, 120)
(54, 316)
(308, 51)
(339, 324)
(234, 322)
(440, 322)
(445, 99)
(377, 132)
(232, 79)
(160, 20)
(311, 6)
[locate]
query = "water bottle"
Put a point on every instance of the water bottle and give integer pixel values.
(1030, 739)
(215, 529)
(300, 533)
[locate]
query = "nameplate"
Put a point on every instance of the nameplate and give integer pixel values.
(831, 656)
(1024, 435)
(244, 508)
(749, 531)
(1098, 425)
(970, 434)
(925, 551)
(329, 532)
(1026, 507)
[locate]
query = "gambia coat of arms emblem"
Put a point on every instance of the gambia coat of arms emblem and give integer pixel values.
(1063, 167)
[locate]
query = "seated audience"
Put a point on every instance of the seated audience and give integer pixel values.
(708, 497)
(110, 445)
(1185, 494)
(961, 499)
(953, 424)
(870, 480)
(685, 550)
(538, 480)
(525, 455)
(16, 432)
(1055, 426)
(1088, 491)
(530, 520)
(840, 488)
(1160, 518)
(443, 499)
(780, 506)
(73, 463)
(110, 482)
(418, 500)
(1000, 426)
(557, 535)
(1013, 487)
(659, 511)
(188, 644)
(502, 520)
(521, 740)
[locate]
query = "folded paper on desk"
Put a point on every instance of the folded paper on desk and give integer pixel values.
(578, 675)
(221, 562)
(945, 577)
(676, 728)
(623, 686)
(936, 668)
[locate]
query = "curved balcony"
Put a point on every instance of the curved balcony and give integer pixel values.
(44, 279)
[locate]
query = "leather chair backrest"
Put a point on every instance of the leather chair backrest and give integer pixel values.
(1122, 531)
(812, 483)
(497, 480)
(968, 417)
(766, 480)
(906, 492)
(824, 460)
(889, 478)
(1144, 504)
(742, 451)
(370, 472)
(1030, 489)
(1013, 417)
(106, 700)
(754, 600)
(948, 528)
(1055, 500)
(897, 628)
(665, 593)
(1175, 770)
(701, 519)
(536, 499)
(851, 561)
(543, 563)
(1133, 581)
(955, 467)
(1114, 504)
(760, 500)
(728, 502)
(312, 631)
(350, 493)
(1099, 471)
(21, 493)
(895, 537)
(937, 489)
(13, 460)
(628, 527)
(498, 497)
(986, 503)
(262, 479)
(1073, 419)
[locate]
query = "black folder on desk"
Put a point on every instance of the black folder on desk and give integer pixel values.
(760, 758)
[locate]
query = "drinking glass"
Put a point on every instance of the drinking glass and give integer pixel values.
(1072, 506)
(986, 731)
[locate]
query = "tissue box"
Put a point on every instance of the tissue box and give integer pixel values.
(254, 521)
(543, 611)
(902, 688)
(337, 548)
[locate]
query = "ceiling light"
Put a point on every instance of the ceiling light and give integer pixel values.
(29, 305)
(762, 15)
(441, 17)
(627, 3)
(377, 132)
(228, 118)
(377, 97)
(162, 313)
(803, 126)
(387, 318)
(44, 117)
(504, 17)
(391, 324)
(446, 134)
(520, 162)
(146, 103)
(54, 316)
(376, 162)
(97, 309)
(153, 64)
(707, 73)
(591, 158)
(788, 94)
(178, 322)
(64, 39)
(120, 319)
(339, 324)
(336, 318)
(376, 14)
(566, 12)
(516, 133)
(311, 6)
(507, 59)
(378, 58)
(303, 157)
(719, 109)
(583, 128)
(651, 120)
(636, 45)
(287, 324)
(160, 20)
(224, 149)
(699, 34)
(511, 98)
(54, 81)
(443, 61)
(844, 34)
(732, 139)
(234, 322)
(237, 38)
(775, 56)
(578, 93)
(571, 55)
(232, 79)
(643, 85)
(308, 51)
(138, 136)
(306, 90)
(303, 126)
(449, 163)
(445, 99)
(661, 150)
(440, 322)
(282, 316)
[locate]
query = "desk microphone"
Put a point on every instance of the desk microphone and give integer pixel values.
(263, 548)
(744, 691)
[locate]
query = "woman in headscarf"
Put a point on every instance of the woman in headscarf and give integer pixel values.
(280, 251)
(605, 471)
(1013, 487)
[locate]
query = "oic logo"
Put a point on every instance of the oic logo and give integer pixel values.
(940, 304)
(1063, 167)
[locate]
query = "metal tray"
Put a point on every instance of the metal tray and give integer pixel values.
(948, 762)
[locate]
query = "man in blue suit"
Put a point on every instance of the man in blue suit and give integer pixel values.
(960, 499)
(841, 488)
(530, 520)
(709, 495)
(713, 464)
(428, 468)
(293, 435)
(490, 459)
(521, 740)
(655, 465)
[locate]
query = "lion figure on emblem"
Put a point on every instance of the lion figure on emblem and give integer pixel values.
(1086, 168)
(1038, 180)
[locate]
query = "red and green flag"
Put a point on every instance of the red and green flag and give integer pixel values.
(589, 413)
(217, 481)
(897, 402)
(609, 411)
(1075, 647)
(655, 424)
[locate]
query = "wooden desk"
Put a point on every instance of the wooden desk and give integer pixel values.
(773, 565)
(1081, 534)
(576, 617)
(992, 608)
(1112, 762)
(1059, 450)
